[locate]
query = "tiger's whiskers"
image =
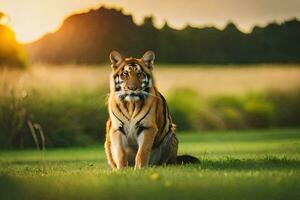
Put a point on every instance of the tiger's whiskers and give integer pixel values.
(147, 93)
(142, 91)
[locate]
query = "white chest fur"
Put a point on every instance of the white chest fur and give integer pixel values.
(131, 130)
(128, 129)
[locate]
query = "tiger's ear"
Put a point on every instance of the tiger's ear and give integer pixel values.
(115, 59)
(148, 59)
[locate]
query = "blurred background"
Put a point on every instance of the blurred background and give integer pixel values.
(234, 65)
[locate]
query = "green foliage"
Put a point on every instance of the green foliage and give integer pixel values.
(184, 105)
(13, 111)
(72, 118)
(257, 164)
(255, 110)
(77, 118)
(286, 107)
(259, 110)
(11, 52)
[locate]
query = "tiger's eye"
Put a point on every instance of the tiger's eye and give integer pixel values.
(140, 75)
(125, 74)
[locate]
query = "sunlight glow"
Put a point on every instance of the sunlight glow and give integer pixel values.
(32, 19)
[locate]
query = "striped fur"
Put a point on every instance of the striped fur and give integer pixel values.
(139, 129)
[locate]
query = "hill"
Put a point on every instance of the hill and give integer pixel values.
(89, 37)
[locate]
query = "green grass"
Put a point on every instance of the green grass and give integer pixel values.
(261, 164)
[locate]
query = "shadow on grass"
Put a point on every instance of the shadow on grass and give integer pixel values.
(9, 188)
(249, 164)
(263, 135)
(228, 163)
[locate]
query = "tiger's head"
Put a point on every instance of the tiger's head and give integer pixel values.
(131, 78)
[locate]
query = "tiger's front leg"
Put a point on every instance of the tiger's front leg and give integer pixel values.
(117, 148)
(145, 142)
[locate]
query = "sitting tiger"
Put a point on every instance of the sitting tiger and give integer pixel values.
(139, 131)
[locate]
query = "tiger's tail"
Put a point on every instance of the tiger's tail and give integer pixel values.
(187, 159)
(170, 149)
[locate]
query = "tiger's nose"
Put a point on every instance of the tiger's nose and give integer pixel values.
(132, 87)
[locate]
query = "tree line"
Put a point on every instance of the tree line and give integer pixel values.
(87, 38)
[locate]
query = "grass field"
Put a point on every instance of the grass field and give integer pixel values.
(207, 80)
(258, 164)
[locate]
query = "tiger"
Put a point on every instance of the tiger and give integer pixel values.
(139, 131)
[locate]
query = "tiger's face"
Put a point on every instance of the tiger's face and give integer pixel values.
(131, 78)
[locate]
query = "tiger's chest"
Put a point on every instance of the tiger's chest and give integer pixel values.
(130, 130)
(131, 134)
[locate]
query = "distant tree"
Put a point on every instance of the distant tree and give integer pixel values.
(148, 35)
(11, 52)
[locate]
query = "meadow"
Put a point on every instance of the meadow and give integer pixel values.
(242, 122)
(67, 103)
(252, 164)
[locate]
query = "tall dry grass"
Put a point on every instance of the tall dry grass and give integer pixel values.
(208, 80)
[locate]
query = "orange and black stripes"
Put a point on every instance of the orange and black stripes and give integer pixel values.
(139, 117)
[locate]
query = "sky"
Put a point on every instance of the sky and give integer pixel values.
(31, 19)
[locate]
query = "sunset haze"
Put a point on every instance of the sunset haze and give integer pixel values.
(32, 19)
